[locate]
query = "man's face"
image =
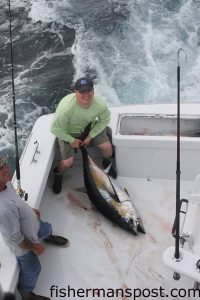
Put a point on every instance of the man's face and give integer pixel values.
(84, 99)
(5, 174)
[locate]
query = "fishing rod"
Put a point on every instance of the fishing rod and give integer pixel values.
(178, 170)
(17, 167)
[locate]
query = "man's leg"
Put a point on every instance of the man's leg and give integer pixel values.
(103, 142)
(45, 233)
(65, 163)
(108, 154)
(30, 267)
(29, 271)
(106, 150)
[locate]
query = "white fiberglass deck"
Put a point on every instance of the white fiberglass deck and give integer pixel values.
(101, 255)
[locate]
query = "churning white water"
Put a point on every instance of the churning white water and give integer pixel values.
(129, 47)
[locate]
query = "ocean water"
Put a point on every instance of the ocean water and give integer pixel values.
(129, 47)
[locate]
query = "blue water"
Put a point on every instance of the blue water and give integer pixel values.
(129, 47)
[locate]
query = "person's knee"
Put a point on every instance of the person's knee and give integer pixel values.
(106, 149)
(109, 148)
(65, 164)
(69, 162)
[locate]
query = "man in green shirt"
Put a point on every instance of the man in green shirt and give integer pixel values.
(73, 114)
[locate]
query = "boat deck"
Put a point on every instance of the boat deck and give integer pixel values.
(101, 255)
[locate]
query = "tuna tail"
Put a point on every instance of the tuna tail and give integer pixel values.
(84, 153)
(85, 132)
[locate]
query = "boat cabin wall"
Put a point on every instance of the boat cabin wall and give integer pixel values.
(145, 146)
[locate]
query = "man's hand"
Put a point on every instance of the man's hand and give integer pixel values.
(76, 144)
(37, 212)
(38, 249)
(86, 141)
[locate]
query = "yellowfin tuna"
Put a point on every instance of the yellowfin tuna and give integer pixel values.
(108, 197)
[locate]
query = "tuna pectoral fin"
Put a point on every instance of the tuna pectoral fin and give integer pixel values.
(140, 227)
(81, 190)
(112, 191)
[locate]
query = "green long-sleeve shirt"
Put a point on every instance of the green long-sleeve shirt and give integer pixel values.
(70, 119)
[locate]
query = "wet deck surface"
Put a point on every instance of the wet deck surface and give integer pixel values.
(101, 255)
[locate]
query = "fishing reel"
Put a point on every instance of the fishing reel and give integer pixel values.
(22, 194)
(198, 265)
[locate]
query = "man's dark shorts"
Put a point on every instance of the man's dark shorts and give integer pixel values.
(67, 151)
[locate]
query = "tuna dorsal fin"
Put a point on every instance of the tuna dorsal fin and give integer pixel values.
(84, 152)
(122, 194)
